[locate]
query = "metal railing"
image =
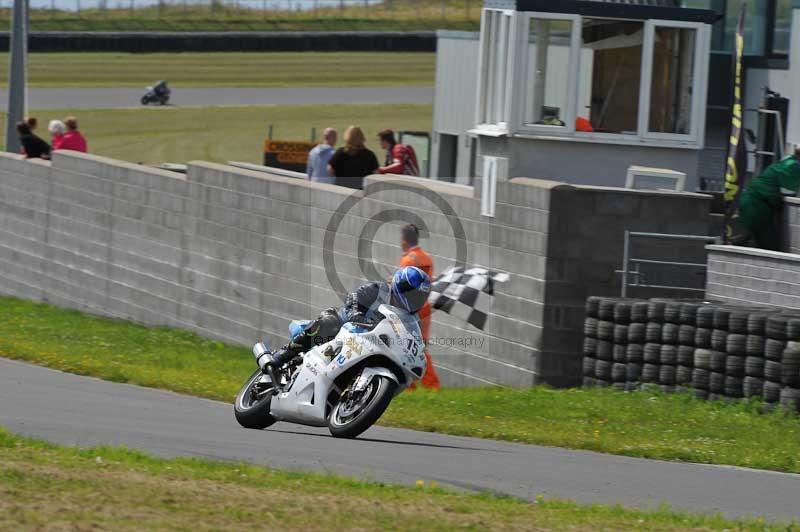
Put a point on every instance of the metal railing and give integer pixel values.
(631, 265)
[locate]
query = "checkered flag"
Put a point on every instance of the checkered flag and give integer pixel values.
(466, 293)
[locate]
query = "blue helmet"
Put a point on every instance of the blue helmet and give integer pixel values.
(410, 289)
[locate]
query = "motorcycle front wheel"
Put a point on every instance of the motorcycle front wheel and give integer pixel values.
(254, 402)
(356, 412)
(145, 100)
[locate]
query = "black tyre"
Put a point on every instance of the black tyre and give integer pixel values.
(590, 347)
(652, 353)
(253, 403)
(688, 315)
(667, 388)
(701, 379)
(705, 317)
(754, 347)
(590, 327)
(653, 333)
(603, 370)
(606, 309)
(669, 355)
(737, 322)
(620, 334)
(793, 329)
(619, 373)
(686, 355)
(773, 371)
(734, 366)
(773, 349)
(790, 366)
(757, 324)
(605, 330)
(734, 387)
(670, 334)
(589, 382)
(655, 311)
(633, 372)
(636, 333)
(639, 312)
(622, 313)
(754, 367)
(589, 366)
(718, 361)
(719, 340)
(736, 345)
(620, 353)
(634, 354)
(650, 373)
(605, 350)
(602, 383)
(620, 386)
(683, 375)
(772, 392)
(593, 307)
(716, 383)
(702, 359)
(672, 312)
(753, 388)
(721, 318)
(776, 327)
(702, 338)
(353, 415)
(145, 100)
(790, 399)
(666, 375)
(700, 393)
(686, 334)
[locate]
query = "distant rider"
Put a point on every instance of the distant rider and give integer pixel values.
(408, 290)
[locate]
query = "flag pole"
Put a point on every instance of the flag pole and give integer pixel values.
(18, 49)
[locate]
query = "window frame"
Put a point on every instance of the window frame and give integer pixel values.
(519, 100)
(697, 130)
(490, 105)
(517, 90)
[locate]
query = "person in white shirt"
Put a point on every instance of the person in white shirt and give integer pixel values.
(319, 157)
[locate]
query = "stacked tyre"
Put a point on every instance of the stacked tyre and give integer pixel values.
(755, 361)
(637, 332)
(790, 366)
(777, 333)
(607, 332)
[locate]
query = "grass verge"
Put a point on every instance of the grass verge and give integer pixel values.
(43, 486)
(154, 135)
(228, 69)
(668, 427)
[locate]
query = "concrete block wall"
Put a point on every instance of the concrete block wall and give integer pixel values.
(236, 254)
(750, 276)
(791, 225)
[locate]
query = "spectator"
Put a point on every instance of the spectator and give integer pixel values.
(32, 122)
(413, 255)
(352, 163)
(320, 156)
(72, 139)
(33, 146)
(56, 129)
(400, 158)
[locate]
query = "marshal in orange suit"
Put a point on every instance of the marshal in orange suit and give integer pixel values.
(413, 255)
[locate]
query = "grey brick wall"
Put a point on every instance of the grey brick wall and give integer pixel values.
(791, 225)
(752, 276)
(234, 254)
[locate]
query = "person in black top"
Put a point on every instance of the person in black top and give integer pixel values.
(351, 164)
(34, 147)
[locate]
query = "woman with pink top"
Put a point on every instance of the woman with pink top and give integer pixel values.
(72, 139)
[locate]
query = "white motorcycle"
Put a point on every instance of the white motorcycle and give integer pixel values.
(345, 384)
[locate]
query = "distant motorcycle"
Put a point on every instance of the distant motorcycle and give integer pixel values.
(158, 93)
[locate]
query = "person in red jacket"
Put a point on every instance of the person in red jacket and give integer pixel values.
(72, 139)
(413, 255)
(400, 158)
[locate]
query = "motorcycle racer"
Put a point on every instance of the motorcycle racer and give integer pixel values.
(408, 290)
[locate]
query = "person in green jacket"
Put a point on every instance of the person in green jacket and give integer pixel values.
(762, 202)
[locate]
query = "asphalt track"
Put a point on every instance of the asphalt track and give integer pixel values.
(74, 410)
(111, 98)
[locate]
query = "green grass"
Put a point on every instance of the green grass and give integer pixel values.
(154, 135)
(394, 15)
(669, 427)
(233, 69)
(44, 486)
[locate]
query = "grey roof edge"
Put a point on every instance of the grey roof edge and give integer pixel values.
(463, 35)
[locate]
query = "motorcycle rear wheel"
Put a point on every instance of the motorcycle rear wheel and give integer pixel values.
(352, 416)
(252, 411)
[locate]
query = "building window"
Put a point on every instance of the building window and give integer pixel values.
(547, 101)
(496, 69)
(782, 32)
(611, 75)
(672, 83)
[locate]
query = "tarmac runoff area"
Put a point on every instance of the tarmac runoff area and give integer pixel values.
(74, 410)
(116, 98)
